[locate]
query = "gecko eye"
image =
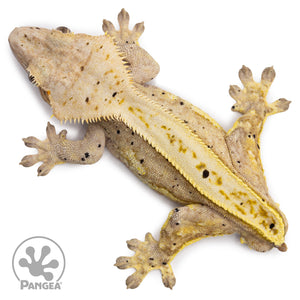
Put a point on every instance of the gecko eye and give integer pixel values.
(63, 29)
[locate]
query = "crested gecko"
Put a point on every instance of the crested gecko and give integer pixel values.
(171, 145)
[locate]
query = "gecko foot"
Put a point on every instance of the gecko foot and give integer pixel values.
(253, 96)
(139, 62)
(148, 256)
(56, 149)
(124, 34)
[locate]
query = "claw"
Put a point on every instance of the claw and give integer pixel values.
(268, 76)
(44, 169)
(168, 277)
(31, 142)
(137, 30)
(29, 160)
(245, 75)
(235, 92)
(133, 244)
(123, 19)
(134, 280)
(278, 106)
(51, 132)
(108, 27)
(123, 262)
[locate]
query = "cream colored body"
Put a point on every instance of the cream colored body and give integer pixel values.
(89, 79)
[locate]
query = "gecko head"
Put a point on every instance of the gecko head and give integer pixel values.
(51, 57)
(76, 73)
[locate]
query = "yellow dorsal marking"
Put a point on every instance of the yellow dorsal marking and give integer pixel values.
(179, 145)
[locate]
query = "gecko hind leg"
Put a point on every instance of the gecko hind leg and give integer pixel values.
(243, 139)
(141, 64)
(56, 149)
(184, 226)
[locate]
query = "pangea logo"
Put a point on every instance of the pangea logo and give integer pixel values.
(39, 263)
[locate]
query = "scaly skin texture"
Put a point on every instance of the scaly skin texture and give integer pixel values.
(168, 143)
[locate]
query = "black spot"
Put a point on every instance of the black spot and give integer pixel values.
(185, 121)
(223, 225)
(249, 135)
(141, 161)
(153, 95)
(98, 82)
(99, 145)
(181, 103)
(205, 173)
(258, 147)
(131, 143)
(83, 159)
(118, 131)
(238, 162)
(132, 133)
(164, 263)
(233, 107)
(126, 42)
(87, 99)
(174, 244)
(65, 159)
(177, 223)
(87, 43)
(254, 136)
(176, 209)
(163, 93)
(87, 155)
(151, 258)
(81, 68)
(114, 94)
(241, 203)
(272, 225)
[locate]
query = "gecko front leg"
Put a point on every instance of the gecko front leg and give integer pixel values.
(141, 64)
(56, 149)
(185, 225)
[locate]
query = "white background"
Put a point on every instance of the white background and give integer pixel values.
(90, 211)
